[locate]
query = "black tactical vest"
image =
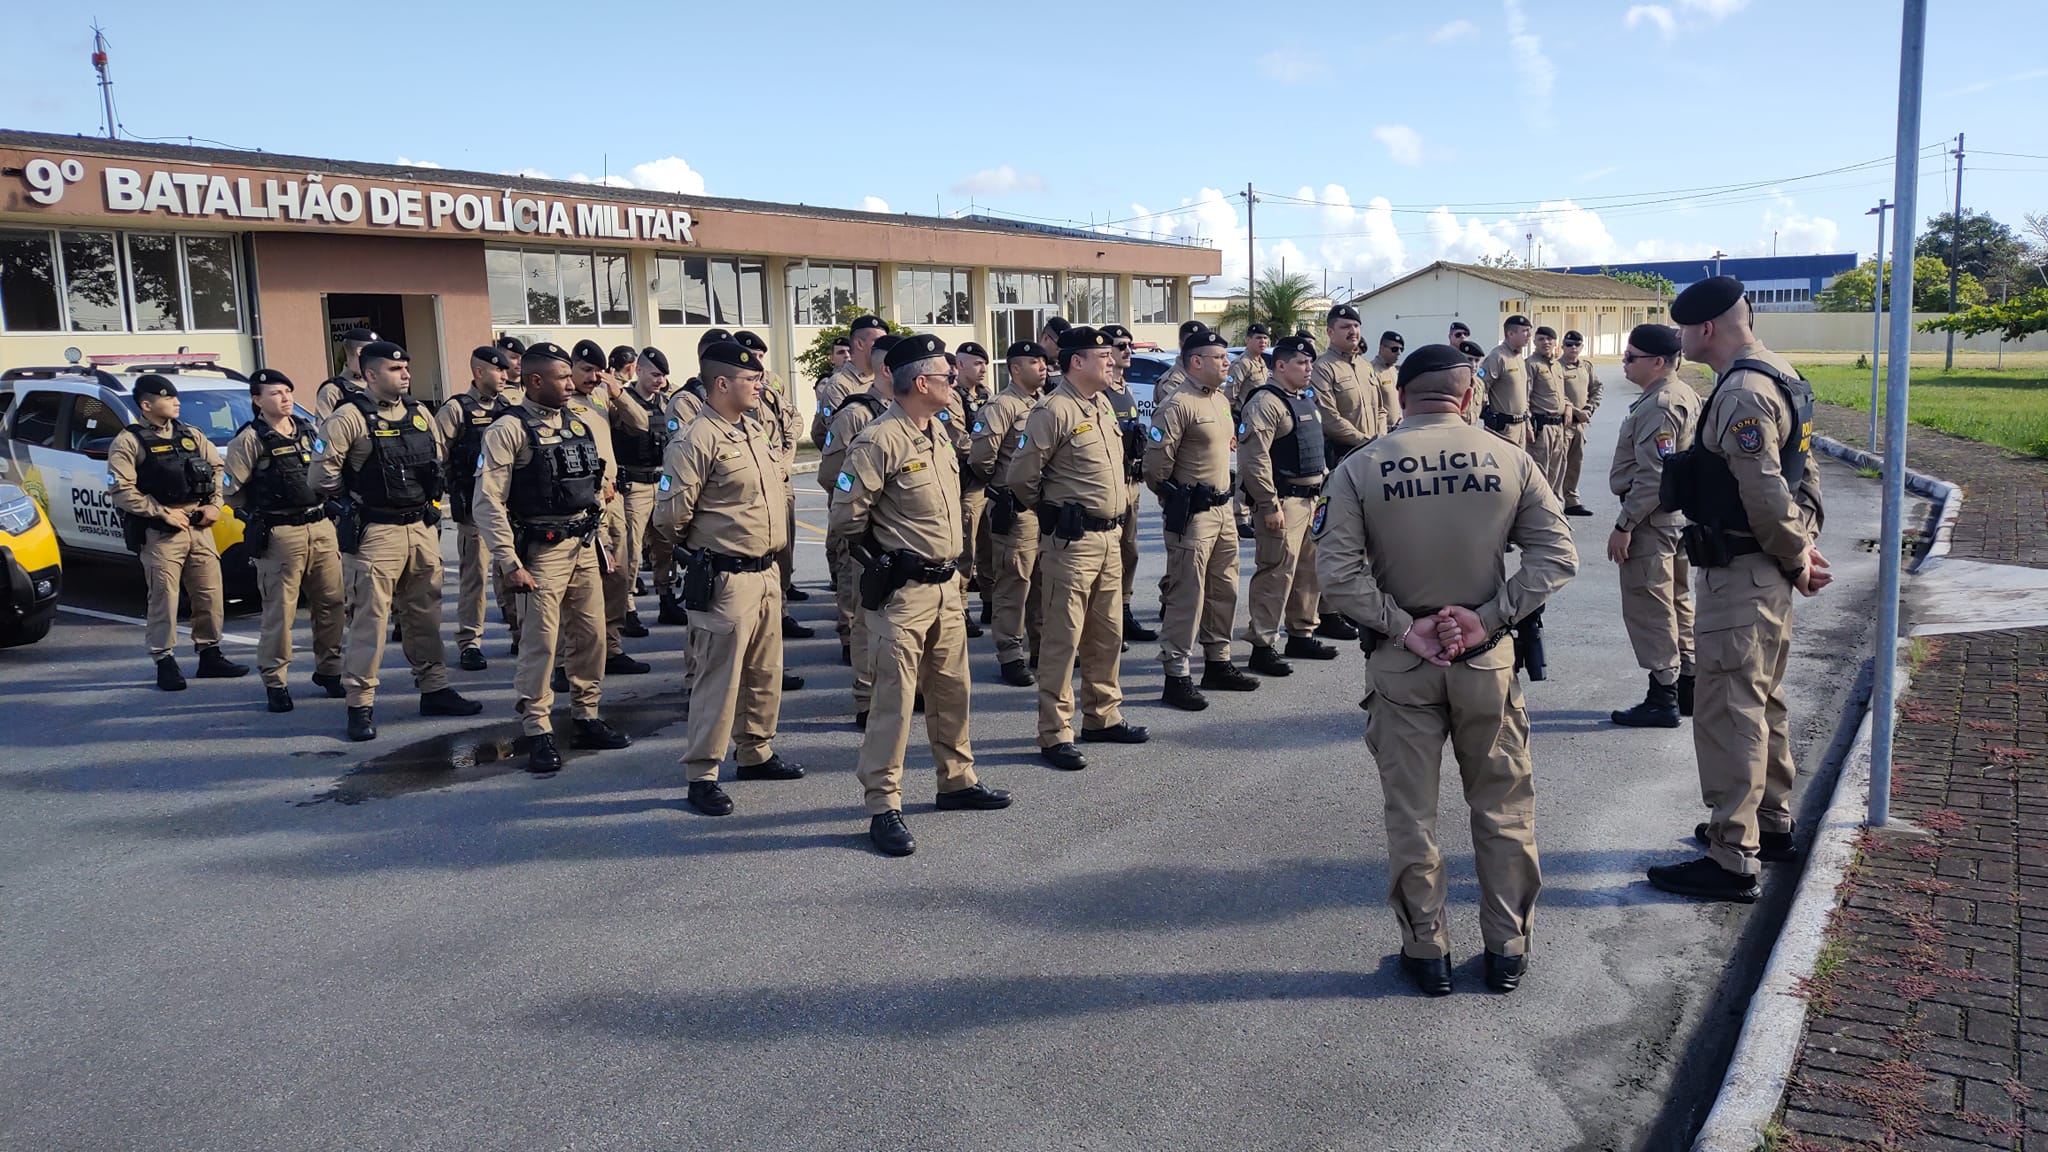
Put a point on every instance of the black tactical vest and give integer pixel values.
(643, 453)
(868, 400)
(173, 472)
(403, 471)
(1299, 454)
(477, 417)
(1697, 481)
(281, 479)
(563, 476)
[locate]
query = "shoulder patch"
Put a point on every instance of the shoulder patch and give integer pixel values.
(1315, 524)
(479, 461)
(319, 445)
(945, 416)
(1023, 438)
(828, 440)
(1749, 434)
(1665, 445)
(674, 424)
(665, 482)
(981, 426)
(1158, 434)
(1309, 392)
(1243, 429)
(845, 482)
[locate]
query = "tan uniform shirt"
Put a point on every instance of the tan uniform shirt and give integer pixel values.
(1246, 374)
(1386, 379)
(507, 449)
(451, 417)
(331, 394)
(1191, 440)
(683, 404)
(996, 428)
(347, 440)
(1745, 422)
(1349, 405)
(903, 482)
(1658, 426)
(1506, 378)
(1175, 379)
(779, 414)
(599, 418)
(1419, 519)
(1266, 419)
(1071, 453)
(847, 424)
(721, 488)
(832, 393)
(243, 452)
(126, 450)
(1581, 387)
(1546, 386)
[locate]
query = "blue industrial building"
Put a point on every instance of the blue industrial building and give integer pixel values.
(1774, 283)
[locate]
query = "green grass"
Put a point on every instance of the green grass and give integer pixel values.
(2009, 409)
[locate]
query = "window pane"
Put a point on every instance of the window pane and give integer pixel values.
(696, 291)
(28, 283)
(864, 288)
(842, 293)
(92, 281)
(959, 305)
(579, 290)
(914, 296)
(543, 288)
(668, 290)
(153, 274)
(36, 421)
(725, 292)
(210, 280)
(614, 291)
(93, 419)
(753, 293)
(507, 276)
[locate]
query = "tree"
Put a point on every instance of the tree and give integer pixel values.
(1504, 260)
(2015, 319)
(1655, 282)
(1851, 291)
(1280, 304)
(1989, 251)
(815, 361)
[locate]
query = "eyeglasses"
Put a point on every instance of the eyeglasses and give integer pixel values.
(1632, 357)
(948, 377)
(1122, 346)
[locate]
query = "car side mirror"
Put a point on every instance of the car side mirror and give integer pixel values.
(97, 447)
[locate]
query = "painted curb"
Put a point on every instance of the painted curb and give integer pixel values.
(1947, 497)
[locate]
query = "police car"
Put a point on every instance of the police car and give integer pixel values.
(1144, 374)
(56, 425)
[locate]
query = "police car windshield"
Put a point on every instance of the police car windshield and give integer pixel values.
(1143, 371)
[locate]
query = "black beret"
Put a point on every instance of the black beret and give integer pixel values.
(1294, 345)
(713, 336)
(358, 336)
(622, 356)
(1023, 348)
(656, 358)
(1341, 312)
(863, 323)
(1516, 321)
(1116, 332)
(1547, 330)
(1655, 339)
(588, 352)
(1203, 339)
(841, 342)
(1572, 336)
(734, 355)
(512, 344)
(1392, 337)
(384, 350)
(1460, 326)
(492, 356)
(972, 349)
(1430, 358)
(1705, 300)
(151, 384)
(265, 377)
(952, 361)
(1190, 327)
(883, 344)
(542, 350)
(1470, 349)
(1055, 325)
(747, 339)
(911, 349)
(1082, 338)
(1256, 330)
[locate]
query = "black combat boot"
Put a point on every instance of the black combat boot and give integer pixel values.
(1134, 630)
(542, 757)
(1310, 648)
(794, 629)
(448, 702)
(1181, 693)
(214, 666)
(1659, 709)
(1267, 662)
(278, 699)
(1336, 628)
(632, 626)
(595, 733)
(362, 724)
(168, 678)
(1223, 676)
(672, 611)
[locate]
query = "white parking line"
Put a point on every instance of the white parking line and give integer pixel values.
(141, 623)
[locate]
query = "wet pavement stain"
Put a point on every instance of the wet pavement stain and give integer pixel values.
(456, 758)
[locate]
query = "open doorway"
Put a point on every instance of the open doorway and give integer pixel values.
(412, 322)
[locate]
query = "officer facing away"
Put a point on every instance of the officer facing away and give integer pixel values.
(492, 393)
(336, 389)
(1410, 539)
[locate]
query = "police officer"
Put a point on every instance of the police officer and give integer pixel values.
(1246, 375)
(270, 485)
(1049, 335)
(1548, 411)
(683, 402)
(898, 494)
(640, 453)
(778, 413)
(1753, 497)
(539, 506)
(336, 389)
(463, 420)
(165, 477)
(1582, 399)
(1131, 426)
(1461, 332)
(1656, 600)
(1187, 465)
(513, 348)
(723, 502)
(1382, 372)
(1016, 588)
(1280, 462)
(1410, 538)
(599, 401)
(1175, 377)
(381, 452)
(1348, 400)
(855, 412)
(621, 362)
(855, 374)
(1069, 465)
(976, 550)
(1505, 409)
(840, 353)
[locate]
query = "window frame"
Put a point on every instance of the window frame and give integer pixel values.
(1168, 286)
(595, 255)
(1111, 299)
(799, 303)
(60, 415)
(956, 277)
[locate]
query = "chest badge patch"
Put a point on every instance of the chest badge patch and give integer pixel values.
(913, 468)
(1080, 428)
(419, 421)
(186, 443)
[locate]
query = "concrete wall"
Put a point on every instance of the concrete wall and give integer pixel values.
(1851, 332)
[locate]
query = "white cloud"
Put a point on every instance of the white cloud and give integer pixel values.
(1981, 85)
(669, 174)
(1404, 144)
(1539, 75)
(1208, 216)
(1797, 233)
(528, 174)
(1667, 24)
(1714, 9)
(606, 181)
(1290, 66)
(873, 204)
(1000, 181)
(405, 163)
(1695, 13)
(1455, 30)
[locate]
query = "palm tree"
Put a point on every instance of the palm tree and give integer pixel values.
(1278, 304)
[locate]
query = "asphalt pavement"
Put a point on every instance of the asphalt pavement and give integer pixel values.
(230, 930)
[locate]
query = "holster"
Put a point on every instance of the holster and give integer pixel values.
(134, 532)
(1002, 511)
(1529, 655)
(1072, 524)
(459, 505)
(1176, 507)
(256, 535)
(1495, 421)
(1705, 546)
(877, 571)
(348, 525)
(700, 580)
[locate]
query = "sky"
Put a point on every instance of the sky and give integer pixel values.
(1379, 137)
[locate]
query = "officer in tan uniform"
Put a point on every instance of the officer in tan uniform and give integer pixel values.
(463, 420)
(1410, 538)
(1504, 409)
(722, 499)
(380, 453)
(1069, 466)
(1382, 372)
(1246, 374)
(1187, 465)
(1131, 426)
(1049, 335)
(638, 441)
(1582, 399)
(1344, 393)
(1549, 412)
(970, 365)
(854, 376)
(1752, 495)
(1280, 463)
(897, 495)
(335, 389)
(539, 507)
(1656, 596)
(165, 481)
(1016, 588)
(1175, 377)
(513, 348)
(855, 412)
(270, 486)
(599, 400)
(779, 415)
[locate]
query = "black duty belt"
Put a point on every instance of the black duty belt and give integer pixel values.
(290, 517)
(1201, 498)
(1499, 417)
(1545, 420)
(1491, 642)
(720, 562)
(1741, 545)
(1299, 491)
(394, 515)
(935, 572)
(640, 475)
(1049, 517)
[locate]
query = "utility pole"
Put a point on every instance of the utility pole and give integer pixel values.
(1717, 261)
(1774, 243)
(1876, 317)
(99, 64)
(1528, 250)
(1955, 251)
(1251, 259)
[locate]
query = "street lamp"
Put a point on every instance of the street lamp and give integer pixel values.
(1876, 317)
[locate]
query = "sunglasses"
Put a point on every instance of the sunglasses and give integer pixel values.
(948, 377)
(1632, 357)
(1122, 346)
